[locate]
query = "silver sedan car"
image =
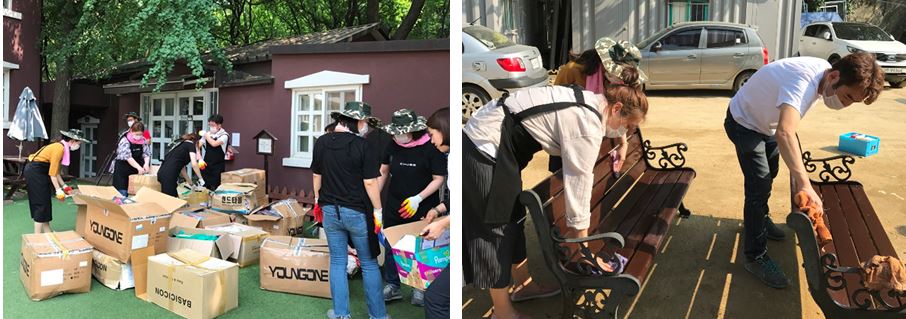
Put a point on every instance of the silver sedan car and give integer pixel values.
(702, 55)
(491, 64)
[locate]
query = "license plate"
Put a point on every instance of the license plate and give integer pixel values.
(536, 63)
(894, 70)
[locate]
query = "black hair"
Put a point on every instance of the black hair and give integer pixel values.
(440, 121)
(330, 127)
(590, 61)
(351, 124)
(216, 118)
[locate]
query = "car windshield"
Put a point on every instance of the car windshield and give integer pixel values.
(860, 32)
(645, 43)
(492, 40)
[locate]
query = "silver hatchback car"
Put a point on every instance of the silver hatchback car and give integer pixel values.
(702, 55)
(491, 64)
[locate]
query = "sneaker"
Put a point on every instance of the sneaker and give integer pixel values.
(392, 293)
(773, 232)
(333, 315)
(418, 298)
(767, 270)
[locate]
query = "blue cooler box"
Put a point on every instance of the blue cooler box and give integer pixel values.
(865, 146)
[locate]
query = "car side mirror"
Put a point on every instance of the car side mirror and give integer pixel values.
(656, 47)
(826, 35)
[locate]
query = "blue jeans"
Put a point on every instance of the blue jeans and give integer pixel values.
(340, 222)
(391, 274)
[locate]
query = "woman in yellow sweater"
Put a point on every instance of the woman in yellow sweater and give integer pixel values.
(43, 171)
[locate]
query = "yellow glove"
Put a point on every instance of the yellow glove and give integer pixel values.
(410, 206)
(378, 220)
(60, 194)
(202, 164)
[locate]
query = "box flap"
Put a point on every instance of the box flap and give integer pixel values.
(237, 187)
(262, 217)
(182, 220)
(393, 234)
(107, 204)
(223, 244)
(169, 203)
(143, 209)
(263, 207)
(105, 192)
(140, 270)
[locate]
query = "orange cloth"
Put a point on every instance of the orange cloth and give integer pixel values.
(884, 272)
(570, 73)
(817, 217)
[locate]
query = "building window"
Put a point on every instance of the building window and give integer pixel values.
(687, 10)
(6, 116)
(169, 115)
(311, 108)
(8, 4)
(8, 10)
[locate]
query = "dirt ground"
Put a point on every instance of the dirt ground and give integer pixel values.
(699, 274)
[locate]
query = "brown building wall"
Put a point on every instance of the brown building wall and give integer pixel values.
(20, 46)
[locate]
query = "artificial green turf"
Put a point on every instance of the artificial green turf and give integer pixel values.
(103, 302)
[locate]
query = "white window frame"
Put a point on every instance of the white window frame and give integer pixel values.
(8, 10)
(211, 101)
(7, 67)
(304, 159)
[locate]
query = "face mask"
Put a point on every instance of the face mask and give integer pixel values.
(130, 123)
(833, 102)
(402, 138)
(75, 146)
(363, 130)
(614, 133)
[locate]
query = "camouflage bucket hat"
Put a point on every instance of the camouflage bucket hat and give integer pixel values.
(75, 134)
(358, 111)
(615, 54)
(405, 121)
(132, 114)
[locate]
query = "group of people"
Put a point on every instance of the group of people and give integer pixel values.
(600, 95)
(360, 168)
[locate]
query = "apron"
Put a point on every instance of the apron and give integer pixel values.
(122, 169)
(516, 149)
(40, 189)
(214, 157)
(169, 171)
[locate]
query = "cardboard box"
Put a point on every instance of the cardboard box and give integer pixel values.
(418, 260)
(193, 285)
(222, 247)
(108, 192)
(118, 230)
(282, 218)
(235, 198)
(249, 176)
(137, 182)
(295, 265)
(195, 196)
(198, 218)
(111, 272)
(51, 264)
(246, 242)
(239, 219)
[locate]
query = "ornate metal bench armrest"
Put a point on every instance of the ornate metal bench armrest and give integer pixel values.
(840, 173)
(861, 298)
(586, 261)
(612, 236)
(666, 158)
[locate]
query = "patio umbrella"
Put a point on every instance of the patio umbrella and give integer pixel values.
(27, 125)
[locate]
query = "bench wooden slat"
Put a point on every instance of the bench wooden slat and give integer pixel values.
(843, 245)
(640, 254)
(613, 190)
(877, 232)
(865, 247)
(550, 187)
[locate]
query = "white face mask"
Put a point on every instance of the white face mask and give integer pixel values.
(402, 138)
(75, 146)
(130, 123)
(614, 133)
(832, 101)
(363, 130)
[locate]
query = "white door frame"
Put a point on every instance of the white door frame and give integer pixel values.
(86, 169)
(181, 120)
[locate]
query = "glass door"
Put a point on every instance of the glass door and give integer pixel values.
(162, 124)
(170, 115)
(88, 151)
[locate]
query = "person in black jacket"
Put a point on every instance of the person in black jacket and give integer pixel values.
(345, 183)
(183, 152)
(437, 297)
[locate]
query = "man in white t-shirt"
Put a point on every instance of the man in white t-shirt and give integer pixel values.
(762, 121)
(214, 144)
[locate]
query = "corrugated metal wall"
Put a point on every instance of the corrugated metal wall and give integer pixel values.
(494, 15)
(635, 20)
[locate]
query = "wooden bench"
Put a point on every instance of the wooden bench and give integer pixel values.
(833, 273)
(630, 215)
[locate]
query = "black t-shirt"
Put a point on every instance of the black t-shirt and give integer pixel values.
(178, 157)
(343, 161)
(379, 141)
(411, 170)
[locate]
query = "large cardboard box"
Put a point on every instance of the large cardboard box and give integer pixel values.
(51, 264)
(118, 230)
(222, 247)
(250, 176)
(195, 196)
(295, 265)
(193, 285)
(82, 207)
(246, 242)
(111, 272)
(282, 218)
(418, 260)
(235, 198)
(137, 182)
(198, 218)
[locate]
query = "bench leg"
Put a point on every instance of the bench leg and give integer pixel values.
(590, 307)
(683, 211)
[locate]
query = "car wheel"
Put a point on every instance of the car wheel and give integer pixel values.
(833, 59)
(473, 98)
(741, 80)
(897, 85)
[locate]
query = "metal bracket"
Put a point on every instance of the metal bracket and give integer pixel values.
(666, 158)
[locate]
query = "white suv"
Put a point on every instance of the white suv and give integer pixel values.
(833, 40)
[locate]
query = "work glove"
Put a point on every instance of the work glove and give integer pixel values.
(378, 220)
(410, 206)
(317, 212)
(67, 189)
(201, 182)
(60, 194)
(202, 164)
(201, 133)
